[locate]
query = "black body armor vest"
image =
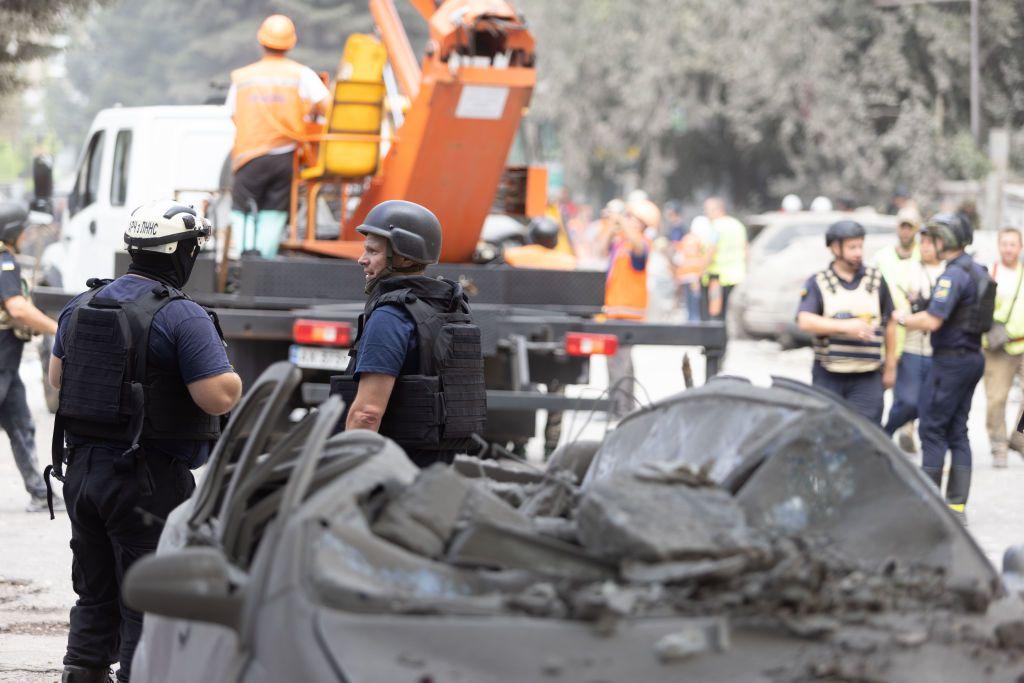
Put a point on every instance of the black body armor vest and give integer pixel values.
(977, 318)
(109, 390)
(434, 414)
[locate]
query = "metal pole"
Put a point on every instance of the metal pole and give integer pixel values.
(975, 76)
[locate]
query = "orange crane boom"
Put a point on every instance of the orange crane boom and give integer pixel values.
(466, 102)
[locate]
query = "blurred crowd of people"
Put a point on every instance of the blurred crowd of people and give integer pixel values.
(697, 263)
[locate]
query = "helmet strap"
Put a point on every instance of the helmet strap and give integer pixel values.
(390, 269)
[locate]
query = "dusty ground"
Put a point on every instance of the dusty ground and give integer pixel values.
(35, 561)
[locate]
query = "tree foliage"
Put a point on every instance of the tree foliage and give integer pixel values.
(759, 98)
(27, 29)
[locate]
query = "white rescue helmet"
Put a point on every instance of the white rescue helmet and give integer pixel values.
(792, 203)
(821, 204)
(159, 225)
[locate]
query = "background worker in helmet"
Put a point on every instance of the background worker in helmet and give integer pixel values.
(269, 102)
(542, 250)
(625, 294)
(19, 320)
(727, 258)
(960, 310)
(133, 449)
(847, 309)
(415, 372)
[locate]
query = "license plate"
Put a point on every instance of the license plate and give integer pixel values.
(317, 358)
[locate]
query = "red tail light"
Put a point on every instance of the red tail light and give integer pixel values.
(321, 332)
(583, 344)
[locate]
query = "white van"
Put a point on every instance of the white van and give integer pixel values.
(132, 155)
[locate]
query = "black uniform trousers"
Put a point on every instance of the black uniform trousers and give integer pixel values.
(102, 490)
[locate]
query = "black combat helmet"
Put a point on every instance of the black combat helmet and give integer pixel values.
(13, 219)
(843, 230)
(543, 231)
(950, 228)
(412, 230)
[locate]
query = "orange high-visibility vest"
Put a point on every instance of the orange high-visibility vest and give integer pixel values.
(689, 258)
(625, 292)
(268, 110)
(536, 256)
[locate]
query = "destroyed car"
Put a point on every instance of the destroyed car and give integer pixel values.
(730, 533)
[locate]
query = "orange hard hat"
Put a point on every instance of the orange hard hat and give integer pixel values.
(277, 32)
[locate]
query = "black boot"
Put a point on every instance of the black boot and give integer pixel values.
(82, 674)
(957, 487)
(935, 474)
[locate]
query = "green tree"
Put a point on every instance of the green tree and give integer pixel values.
(755, 99)
(27, 30)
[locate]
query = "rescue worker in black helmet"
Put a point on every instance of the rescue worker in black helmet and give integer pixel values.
(847, 309)
(143, 375)
(416, 368)
(959, 312)
(19, 320)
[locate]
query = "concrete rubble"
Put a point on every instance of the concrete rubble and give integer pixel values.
(662, 541)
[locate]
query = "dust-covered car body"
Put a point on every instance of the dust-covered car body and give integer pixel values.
(790, 249)
(773, 556)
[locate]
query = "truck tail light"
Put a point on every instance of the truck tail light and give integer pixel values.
(321, 332)
(583, 344)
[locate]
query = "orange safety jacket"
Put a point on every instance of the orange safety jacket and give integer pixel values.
(536, 256)
(625, 292)
(269, 113)
(689, 258)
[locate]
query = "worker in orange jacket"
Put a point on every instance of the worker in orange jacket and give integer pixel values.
(269, 101)
(625, 295)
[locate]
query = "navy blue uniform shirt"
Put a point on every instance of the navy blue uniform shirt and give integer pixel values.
(388, 345)
(811, 300)
(182, 338)
(953, 289)
(10, 285)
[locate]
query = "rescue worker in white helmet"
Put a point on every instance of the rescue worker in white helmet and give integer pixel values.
(19, 320)
(269, 101)
(415, 372)
(959, 312)
(143, 376)
(847, 309)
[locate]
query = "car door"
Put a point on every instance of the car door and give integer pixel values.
(84, 257)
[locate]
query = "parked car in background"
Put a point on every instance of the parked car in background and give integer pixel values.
(788, 250)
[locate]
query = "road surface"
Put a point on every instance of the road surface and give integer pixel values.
(35, 561)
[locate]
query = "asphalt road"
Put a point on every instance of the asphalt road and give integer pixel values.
(35, 560)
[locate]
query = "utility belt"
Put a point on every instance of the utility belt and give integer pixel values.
(125, 459)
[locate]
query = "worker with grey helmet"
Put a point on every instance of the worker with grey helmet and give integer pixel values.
(144, 377)
(847, 309)
(19, 320)
(415, 370)
(959, 312)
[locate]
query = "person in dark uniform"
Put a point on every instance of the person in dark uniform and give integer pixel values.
(416, 367)
(19, 320)
(847, 308)
(143, 374)
(960, 310)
